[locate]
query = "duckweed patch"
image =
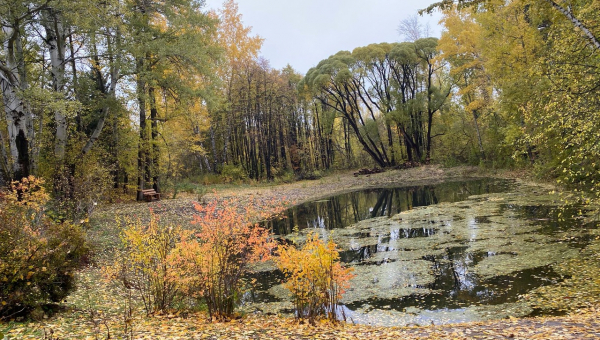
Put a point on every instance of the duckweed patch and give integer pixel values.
(477, 256)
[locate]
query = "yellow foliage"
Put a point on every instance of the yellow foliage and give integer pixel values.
(37, 255)
(315, 277)
(143, 265)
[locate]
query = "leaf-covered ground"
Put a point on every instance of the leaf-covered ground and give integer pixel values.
(98, 310)
(579, 326)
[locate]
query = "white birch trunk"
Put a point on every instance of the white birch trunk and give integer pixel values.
(569, 15)
(56, 41)
(17, 114)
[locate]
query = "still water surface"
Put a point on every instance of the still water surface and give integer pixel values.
(346, 209)
(458, 251)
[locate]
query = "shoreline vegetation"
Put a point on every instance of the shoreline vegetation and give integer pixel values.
(111, 103)
(99, 310)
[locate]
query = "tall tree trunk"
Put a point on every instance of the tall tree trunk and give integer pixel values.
(481, 150)
(17, 113)
(142, 144)
(154, 139)
(5, 165)
(391, 144)
(118, 169)
(110, 93)
(213, 146)
(56, 40)
(428, 141)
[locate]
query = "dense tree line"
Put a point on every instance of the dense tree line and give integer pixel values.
(73, 74)
(136, 94)
(527, 85)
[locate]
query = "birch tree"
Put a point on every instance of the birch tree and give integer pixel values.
(15, 16)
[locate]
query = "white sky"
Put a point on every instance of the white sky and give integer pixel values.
(303, 32)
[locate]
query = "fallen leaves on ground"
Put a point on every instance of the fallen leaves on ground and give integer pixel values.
(78, 326)
(98, 310)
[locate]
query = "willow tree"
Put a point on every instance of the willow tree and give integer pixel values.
(338, 84)
(421, 93)
(388, 94)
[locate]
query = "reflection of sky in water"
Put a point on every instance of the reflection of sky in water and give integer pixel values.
(472, 229)
(319, 222)
(452, 286)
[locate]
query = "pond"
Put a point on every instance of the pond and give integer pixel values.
(346, 209)
(454, 252)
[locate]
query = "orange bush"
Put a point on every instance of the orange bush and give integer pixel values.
(211, 263)
(166, 263)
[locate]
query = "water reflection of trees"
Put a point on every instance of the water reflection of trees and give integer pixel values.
(455, 284)
(366, 252)
(346, 209)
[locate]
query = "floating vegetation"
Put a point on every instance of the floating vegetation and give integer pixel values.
(482, 256)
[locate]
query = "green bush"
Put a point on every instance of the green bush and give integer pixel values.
(309, 175)
(286, 177)
(38, 257)
(189, 187)
(233, 173)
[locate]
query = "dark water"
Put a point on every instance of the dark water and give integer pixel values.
(343, 210)
(456, 285)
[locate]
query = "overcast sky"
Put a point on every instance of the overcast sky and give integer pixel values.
(303, 32)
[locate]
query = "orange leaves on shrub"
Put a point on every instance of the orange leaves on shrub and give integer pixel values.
(206, 262)
(315, 277)
(212, 262)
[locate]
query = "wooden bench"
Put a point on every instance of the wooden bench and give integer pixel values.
(151, 195)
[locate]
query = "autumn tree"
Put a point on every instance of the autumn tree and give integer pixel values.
(163, 55)
(460, 45)
(541, 58)
(382, 85)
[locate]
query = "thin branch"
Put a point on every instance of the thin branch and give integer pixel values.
(567, 13)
